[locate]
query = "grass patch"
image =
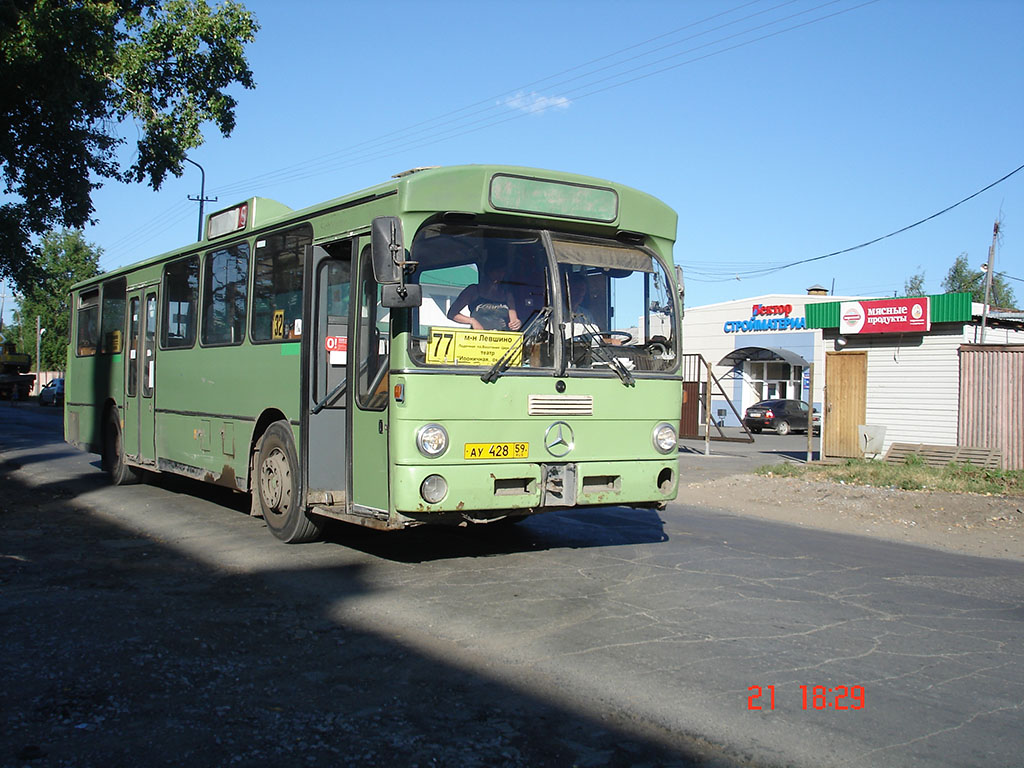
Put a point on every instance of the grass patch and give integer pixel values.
(915, 475)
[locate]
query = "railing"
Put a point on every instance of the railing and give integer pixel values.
(698, 382)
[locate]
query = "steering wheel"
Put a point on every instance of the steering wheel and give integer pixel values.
(624, 337)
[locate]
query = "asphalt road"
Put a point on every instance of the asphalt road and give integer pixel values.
(654, 625)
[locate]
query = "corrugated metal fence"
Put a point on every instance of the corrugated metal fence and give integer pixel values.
(992, 400)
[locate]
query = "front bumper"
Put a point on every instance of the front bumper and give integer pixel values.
(526, 485)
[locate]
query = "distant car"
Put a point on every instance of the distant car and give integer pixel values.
(784, 416)
(52, 393)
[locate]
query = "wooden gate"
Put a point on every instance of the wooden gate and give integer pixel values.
(689, 422)
(846, 389)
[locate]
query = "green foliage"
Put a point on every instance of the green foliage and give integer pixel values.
(65, 259)
(72, 72)
(961, 278)
(914, 460)
(914, 285)
(914, 475)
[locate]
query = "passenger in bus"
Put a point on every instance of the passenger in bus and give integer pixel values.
(490, 303)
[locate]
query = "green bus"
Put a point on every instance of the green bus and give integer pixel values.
(464, 345)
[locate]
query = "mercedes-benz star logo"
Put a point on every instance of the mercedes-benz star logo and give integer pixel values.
(559, 439)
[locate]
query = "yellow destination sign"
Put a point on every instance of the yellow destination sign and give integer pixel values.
(457, 346)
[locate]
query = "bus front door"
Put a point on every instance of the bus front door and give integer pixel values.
(325, 377)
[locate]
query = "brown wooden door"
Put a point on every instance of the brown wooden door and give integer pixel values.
(690, 418)
(846, 389)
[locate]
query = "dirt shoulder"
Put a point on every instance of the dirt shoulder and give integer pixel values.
(984, 526)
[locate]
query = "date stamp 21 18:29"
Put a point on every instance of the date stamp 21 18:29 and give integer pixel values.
(837, 697)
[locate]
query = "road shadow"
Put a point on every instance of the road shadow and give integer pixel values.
(568, 529)
(572, 529)
(120, 650)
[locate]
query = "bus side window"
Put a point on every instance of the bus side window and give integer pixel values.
(373, 343)
(277, 285)
(112, 317)
(181, 293)
(224, 284)
(88, 323)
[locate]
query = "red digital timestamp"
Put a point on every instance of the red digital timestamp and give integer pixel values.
(838, 697)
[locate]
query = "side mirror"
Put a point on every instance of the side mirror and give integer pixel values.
(399, 295)
(388, 247)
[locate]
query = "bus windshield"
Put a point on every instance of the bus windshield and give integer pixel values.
(487, 291)
(481, 288)
(617, 307)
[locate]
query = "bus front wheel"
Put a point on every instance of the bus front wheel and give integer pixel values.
(278, 489)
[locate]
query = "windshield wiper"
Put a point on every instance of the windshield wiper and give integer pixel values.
(531, 333)
(605, 353)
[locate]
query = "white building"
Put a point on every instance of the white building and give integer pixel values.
(896, 370)
(759, 348)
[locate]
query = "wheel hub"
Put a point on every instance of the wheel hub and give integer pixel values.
(275, 482)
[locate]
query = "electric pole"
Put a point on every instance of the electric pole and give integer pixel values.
(989, 268)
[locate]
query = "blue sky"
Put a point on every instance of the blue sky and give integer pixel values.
(866, 118)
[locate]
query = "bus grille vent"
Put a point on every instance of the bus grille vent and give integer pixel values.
(560, 405)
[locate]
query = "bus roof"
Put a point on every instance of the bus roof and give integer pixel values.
(511, 190)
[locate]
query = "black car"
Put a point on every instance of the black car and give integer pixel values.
(784, 416)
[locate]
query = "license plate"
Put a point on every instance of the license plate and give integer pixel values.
(496, 451)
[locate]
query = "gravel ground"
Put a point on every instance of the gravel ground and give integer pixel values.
(986, 526)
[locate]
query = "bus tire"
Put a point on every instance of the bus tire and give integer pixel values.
(278, 489)
(114, 461)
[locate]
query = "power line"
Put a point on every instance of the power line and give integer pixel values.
(441, 128)
(405, 140)
(773, 270)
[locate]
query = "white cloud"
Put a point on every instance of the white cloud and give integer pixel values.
(534, 103)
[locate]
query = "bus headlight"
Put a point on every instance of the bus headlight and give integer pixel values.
(432, 440)
(433, 489)
(664, 438)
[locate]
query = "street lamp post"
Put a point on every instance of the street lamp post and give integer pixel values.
(202, 195)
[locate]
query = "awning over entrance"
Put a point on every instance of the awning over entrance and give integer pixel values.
(769, 354)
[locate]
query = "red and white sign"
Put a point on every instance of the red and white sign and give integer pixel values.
(337, 349)
(885, 316)
(336, 343)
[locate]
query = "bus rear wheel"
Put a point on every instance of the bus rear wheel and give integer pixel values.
(113, 452)
(277, 487)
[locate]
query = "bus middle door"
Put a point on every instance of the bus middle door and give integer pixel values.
(140, 377)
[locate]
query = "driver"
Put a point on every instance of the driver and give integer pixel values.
(583, 322)
(489, 301)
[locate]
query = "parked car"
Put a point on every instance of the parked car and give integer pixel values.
(52, 393)
(784, 416)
